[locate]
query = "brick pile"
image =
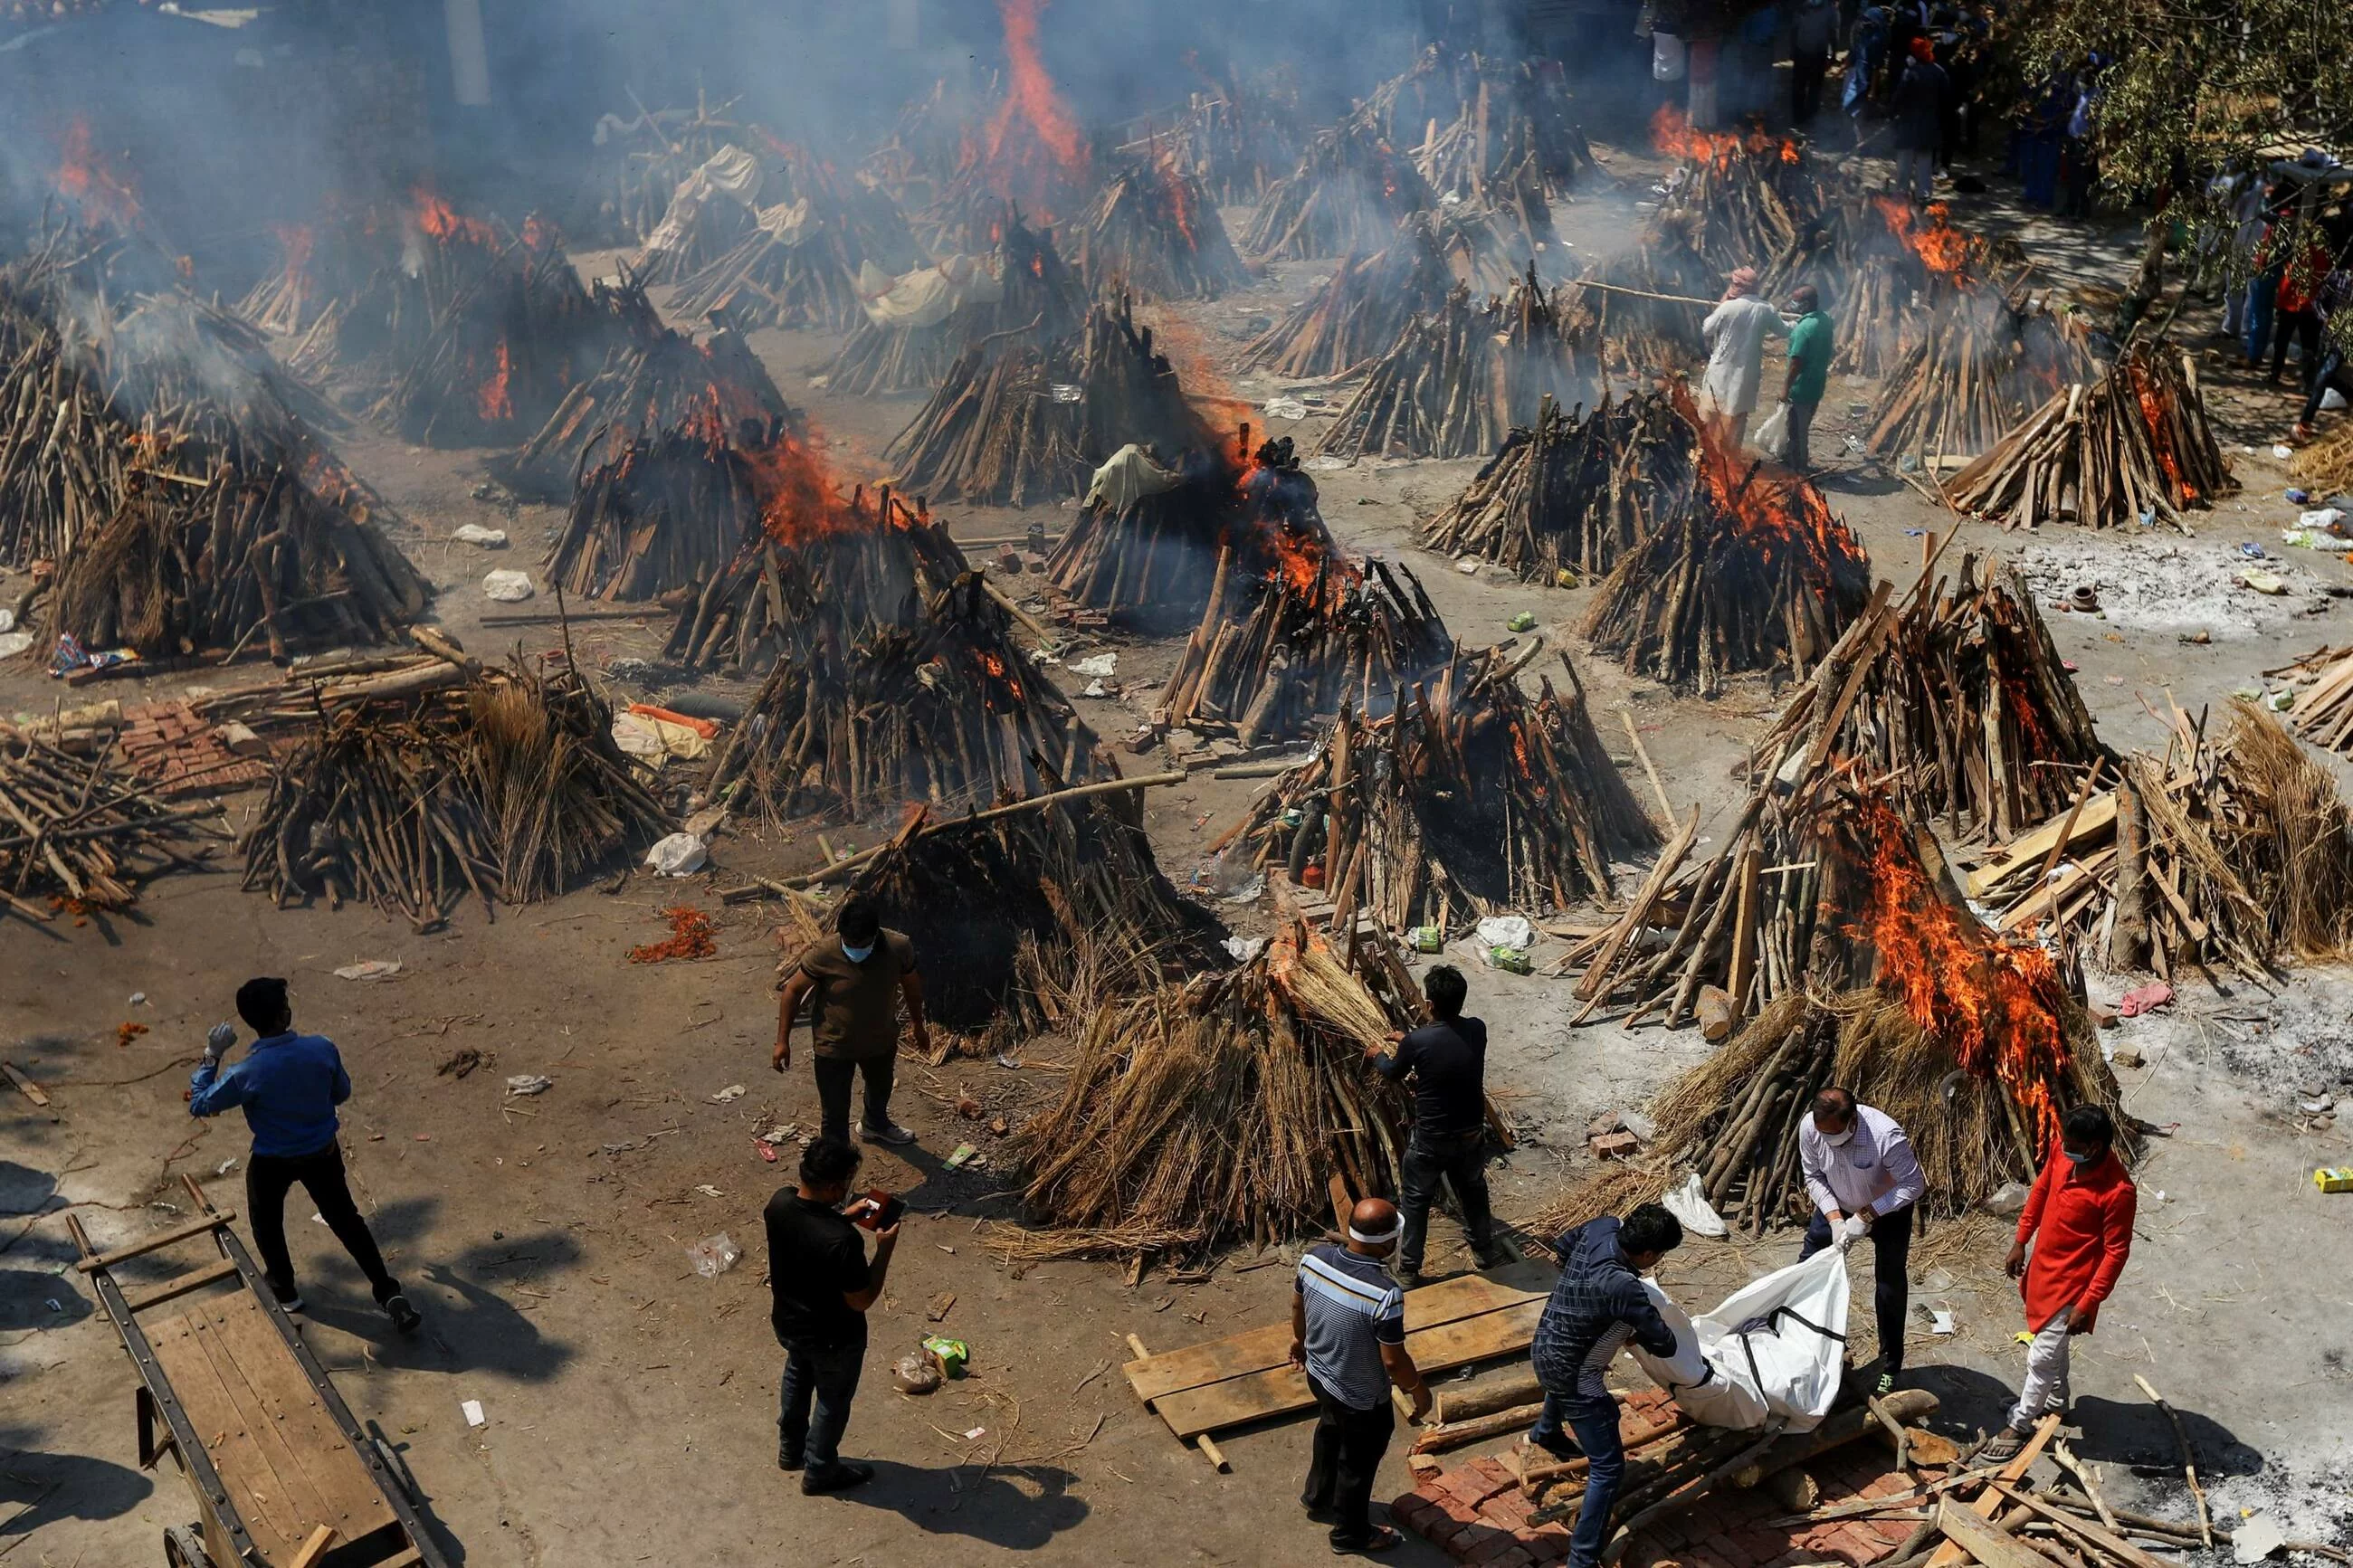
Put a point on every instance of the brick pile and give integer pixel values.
(181, 754)
(1475, 1514)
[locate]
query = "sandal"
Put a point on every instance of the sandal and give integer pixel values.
(1383, 1539)
(2004, 1446)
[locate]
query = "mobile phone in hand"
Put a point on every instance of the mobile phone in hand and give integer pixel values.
(877, 1210)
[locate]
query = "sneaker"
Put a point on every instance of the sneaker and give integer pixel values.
(404, 1314)
(889, 1133)
(787, 1459)
(289, 1305)
(837, 1476)
(1885, 1386)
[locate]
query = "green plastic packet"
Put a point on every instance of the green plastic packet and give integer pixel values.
(953, 1354)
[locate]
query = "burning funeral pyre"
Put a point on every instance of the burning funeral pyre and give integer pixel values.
(1027, 421)
(910, 331)
(1469, 799)
(1030, 152)
(1514, 138)
(645, 157)
(1021, 909)
(192, 510)
(1959, 697)
(426, 783)
(655, 383)
(1457, 380)
(463, 336)
(1346, 198)
(1564, 498)
(1361, 310)
(1747, 197)
(1219, 1109)
(1235, 141)
(795, 261)
(1881, 266)
(2132, 446)
(1981, 360)
(1753, 572)
(1152, 228)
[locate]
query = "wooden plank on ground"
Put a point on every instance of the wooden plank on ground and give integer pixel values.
(1951, 1553)
(1976, 1534)
(1283, 1390)
(2033, 846)
(1260, 1349)
(180, 1232)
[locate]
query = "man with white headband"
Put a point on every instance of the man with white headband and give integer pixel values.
(1347, 1331)
(1861, 1172)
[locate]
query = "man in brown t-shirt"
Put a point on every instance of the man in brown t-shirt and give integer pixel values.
(855, 985)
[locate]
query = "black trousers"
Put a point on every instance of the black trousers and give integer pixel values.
(1462, 1162)
(1806, 87)
(1891, 1293)
(1798, 449)
(2303, 326)
(270, 1177)
(1350, 1444)
(833, 1078)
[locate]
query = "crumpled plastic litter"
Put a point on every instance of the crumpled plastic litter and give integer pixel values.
(1284, 408)
(1689, 1204)
(525, 1084)
(369, 969)
(679, 855)
(507, 587)
(714, 1256)
(1506, 930)
(2142, 999)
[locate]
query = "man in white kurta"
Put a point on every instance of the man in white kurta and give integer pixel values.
(1735, 333)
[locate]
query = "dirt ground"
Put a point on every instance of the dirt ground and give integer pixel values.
(629, 1402)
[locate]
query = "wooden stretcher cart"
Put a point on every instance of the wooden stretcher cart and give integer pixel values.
(283, 1476)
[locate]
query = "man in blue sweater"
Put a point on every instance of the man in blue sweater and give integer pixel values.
(288, 1086)
(1598, 1305)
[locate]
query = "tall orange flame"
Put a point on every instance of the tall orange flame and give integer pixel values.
(439, 220)
(494, 399)
(1943, 249)
(1034, 109)
(1672, 133)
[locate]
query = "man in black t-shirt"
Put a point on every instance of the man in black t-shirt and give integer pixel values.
(823, 1285)
(1447, 1060)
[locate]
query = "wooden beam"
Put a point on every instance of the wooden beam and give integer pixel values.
(2097, 1536)
(180, 1232)
(25, 1084)
(1951, 1554)
(1972, 1535)
(173, 1288)
(314, 1548)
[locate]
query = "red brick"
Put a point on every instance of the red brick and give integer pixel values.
(1466, 1484)
(1517, 1557)
(1761, 1545)
(1490, 1547)
(1668, 1533)
(1548, 1545)
(1508, 1508)
(1705, 1556)
(1887, 1486)
(1410, 1509)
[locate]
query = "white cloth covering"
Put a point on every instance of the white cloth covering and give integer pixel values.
(1735, 333)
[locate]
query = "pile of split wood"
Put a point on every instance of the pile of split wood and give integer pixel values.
(795, 261)
(1153, 229)
(1315, 634)
(1217, 1109)
(1881, 266)
(1566, 497)
(668, 510)
(1029, 292)
(1983, 358)
(1515, 138)
(1457, 380)
(1026, 912)
(1468, 799)
(934, 703)
(1022, 421)
(2131, 447)
(1752, 574)
(448, 778)
(1360, 311)
(1636, 316)
(1235, 141)
(654, 380)
(80, 834)
(2231, 853)
(1747, 196)
(1959, 696)
(1346, 197)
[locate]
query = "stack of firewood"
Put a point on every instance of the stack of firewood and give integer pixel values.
(668, 510)
(862, 563)
(1317, 633)
(79, 833)
(1021, 911)
(1027, 421)
(941, 706)
(1517, 132)
(504, 783)
(1235, 141)
(1958, 695)
(1457, 380)
(1753, 574)
(1749, 195)
(655, 383)
(1564, 498)
(1222, 1109)
(1041, 300)
(1468, 799)
(2134, 446)
(1346, 197)
(2235, 852)
(1983, 358)
(796, 263)
(1881, 265)
(1631, 317)
(1153, 229)
(1360, 311)
(62, 466)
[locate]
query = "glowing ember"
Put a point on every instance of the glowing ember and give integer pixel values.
(1991, 1002)
(493, 399)
(91, 182)
(1942, 248)
(1672, 133)
(443, 222)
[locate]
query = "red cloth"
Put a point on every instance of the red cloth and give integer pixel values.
(1922, 49)
(2080, 1218)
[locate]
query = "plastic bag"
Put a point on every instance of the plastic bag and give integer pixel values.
(714, 1256)
(1773, 434)
(1774, 1347)
(917, 1371)
(507, 587)
(679, 855)
(1666, 57)
(1689, 1205)
(1506, 930)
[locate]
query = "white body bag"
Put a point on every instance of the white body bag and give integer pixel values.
(1777, 1346)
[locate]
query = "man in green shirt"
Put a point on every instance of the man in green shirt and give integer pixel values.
(1810, 373)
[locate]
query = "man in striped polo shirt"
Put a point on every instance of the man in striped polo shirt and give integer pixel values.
(1347, 1330)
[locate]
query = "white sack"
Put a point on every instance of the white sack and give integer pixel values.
(928, 295)
(1774, 1347)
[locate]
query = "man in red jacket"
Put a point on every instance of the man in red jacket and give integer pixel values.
(2080, 1219)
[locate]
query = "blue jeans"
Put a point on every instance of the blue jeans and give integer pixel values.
(1594, 1423)
(2262, 301)
(823, 1373)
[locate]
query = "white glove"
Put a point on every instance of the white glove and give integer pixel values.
(1850, 1231)
(217, 1044)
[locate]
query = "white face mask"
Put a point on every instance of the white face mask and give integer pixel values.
(857, 954)
(1839, 1140)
